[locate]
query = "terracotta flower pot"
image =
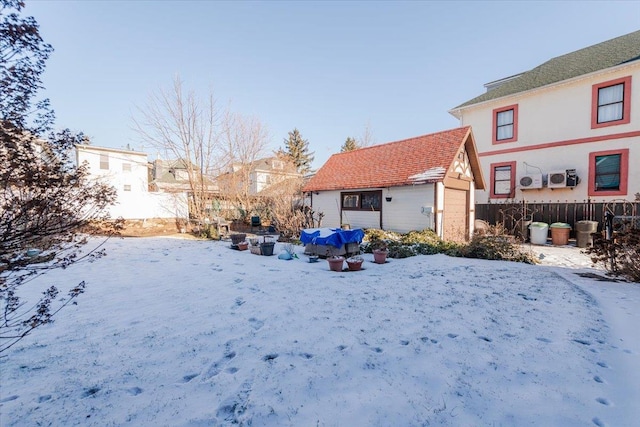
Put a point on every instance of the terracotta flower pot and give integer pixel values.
(354, 264)
(335, 263)
(380, 256)
(243, 246)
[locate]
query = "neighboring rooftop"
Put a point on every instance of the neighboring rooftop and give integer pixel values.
(600, 56)
(407, 162)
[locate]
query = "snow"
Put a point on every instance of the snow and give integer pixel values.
(179, 332)
(428, 175)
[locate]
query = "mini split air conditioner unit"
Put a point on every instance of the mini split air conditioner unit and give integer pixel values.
(557, 179)
(531, 181)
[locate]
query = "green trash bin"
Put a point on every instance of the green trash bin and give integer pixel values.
(539, 232)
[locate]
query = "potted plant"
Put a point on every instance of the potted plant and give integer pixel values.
(355, 263)
(266, 247)
(237, 238)
(380, 251)
(335, 262)
(243, 246)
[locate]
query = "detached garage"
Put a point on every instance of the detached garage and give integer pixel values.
(413, 184)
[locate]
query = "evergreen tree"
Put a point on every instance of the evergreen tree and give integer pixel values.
(349, 145)
(297, 149)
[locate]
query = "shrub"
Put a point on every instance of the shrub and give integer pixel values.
(494, 245)
(620, 255)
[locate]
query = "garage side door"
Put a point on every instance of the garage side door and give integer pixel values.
(455, 218)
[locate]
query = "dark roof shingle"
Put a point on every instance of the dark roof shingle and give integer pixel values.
(603, 55)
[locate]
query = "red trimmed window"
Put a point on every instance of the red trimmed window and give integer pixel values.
(608, 172)
(503, 180)
(505, 124)
(611, 103)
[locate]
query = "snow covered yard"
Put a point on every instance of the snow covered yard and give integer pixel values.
(190, 333)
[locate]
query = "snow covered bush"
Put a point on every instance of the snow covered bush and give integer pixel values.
(494, 245)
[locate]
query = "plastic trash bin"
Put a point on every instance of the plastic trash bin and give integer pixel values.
(584, 231)
(560, 233)
(538, 233)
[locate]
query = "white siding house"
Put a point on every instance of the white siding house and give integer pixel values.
(567, 130)
(128, 172)
(414, 184)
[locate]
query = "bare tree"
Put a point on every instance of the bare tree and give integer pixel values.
(245, 141)
(366, 139)
(284, 201)
(47, 204)
(186, 127)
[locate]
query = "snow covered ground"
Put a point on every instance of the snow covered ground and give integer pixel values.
(176, 332)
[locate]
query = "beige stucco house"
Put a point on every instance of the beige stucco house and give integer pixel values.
(567, 130)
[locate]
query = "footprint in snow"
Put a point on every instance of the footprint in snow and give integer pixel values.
(188, 377)
(404, 342)
(270, 357)
(598, 379)
(134, 391)
(215, 367)
(452, 335)
(596, 421)
(341, 347)
(603, 364)
(44, 398)
(542, 339)
(9, 399)
(90, 392)
(487, 339)
(255, 323)
(603, 401)
(583, 342)
(377, 350)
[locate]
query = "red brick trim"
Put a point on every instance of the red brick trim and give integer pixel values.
(626, 107)
(512, 185)
(515, 124)
(624, 172)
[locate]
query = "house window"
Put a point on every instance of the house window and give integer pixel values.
(611, 103)
(608, 173)
(362, 201)
(127, 187)
(503, 180)
(126, 167)
(104, 161)
(505, 124)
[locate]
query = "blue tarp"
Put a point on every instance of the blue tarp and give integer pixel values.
(331, 236)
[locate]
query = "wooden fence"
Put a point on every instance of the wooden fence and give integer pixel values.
(516, 216)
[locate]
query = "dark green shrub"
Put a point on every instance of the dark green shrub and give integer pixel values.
(494, 245)
(496, 248)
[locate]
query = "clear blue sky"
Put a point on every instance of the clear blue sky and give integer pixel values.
(327, 68)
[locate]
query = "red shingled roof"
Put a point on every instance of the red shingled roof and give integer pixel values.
(390, 164)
